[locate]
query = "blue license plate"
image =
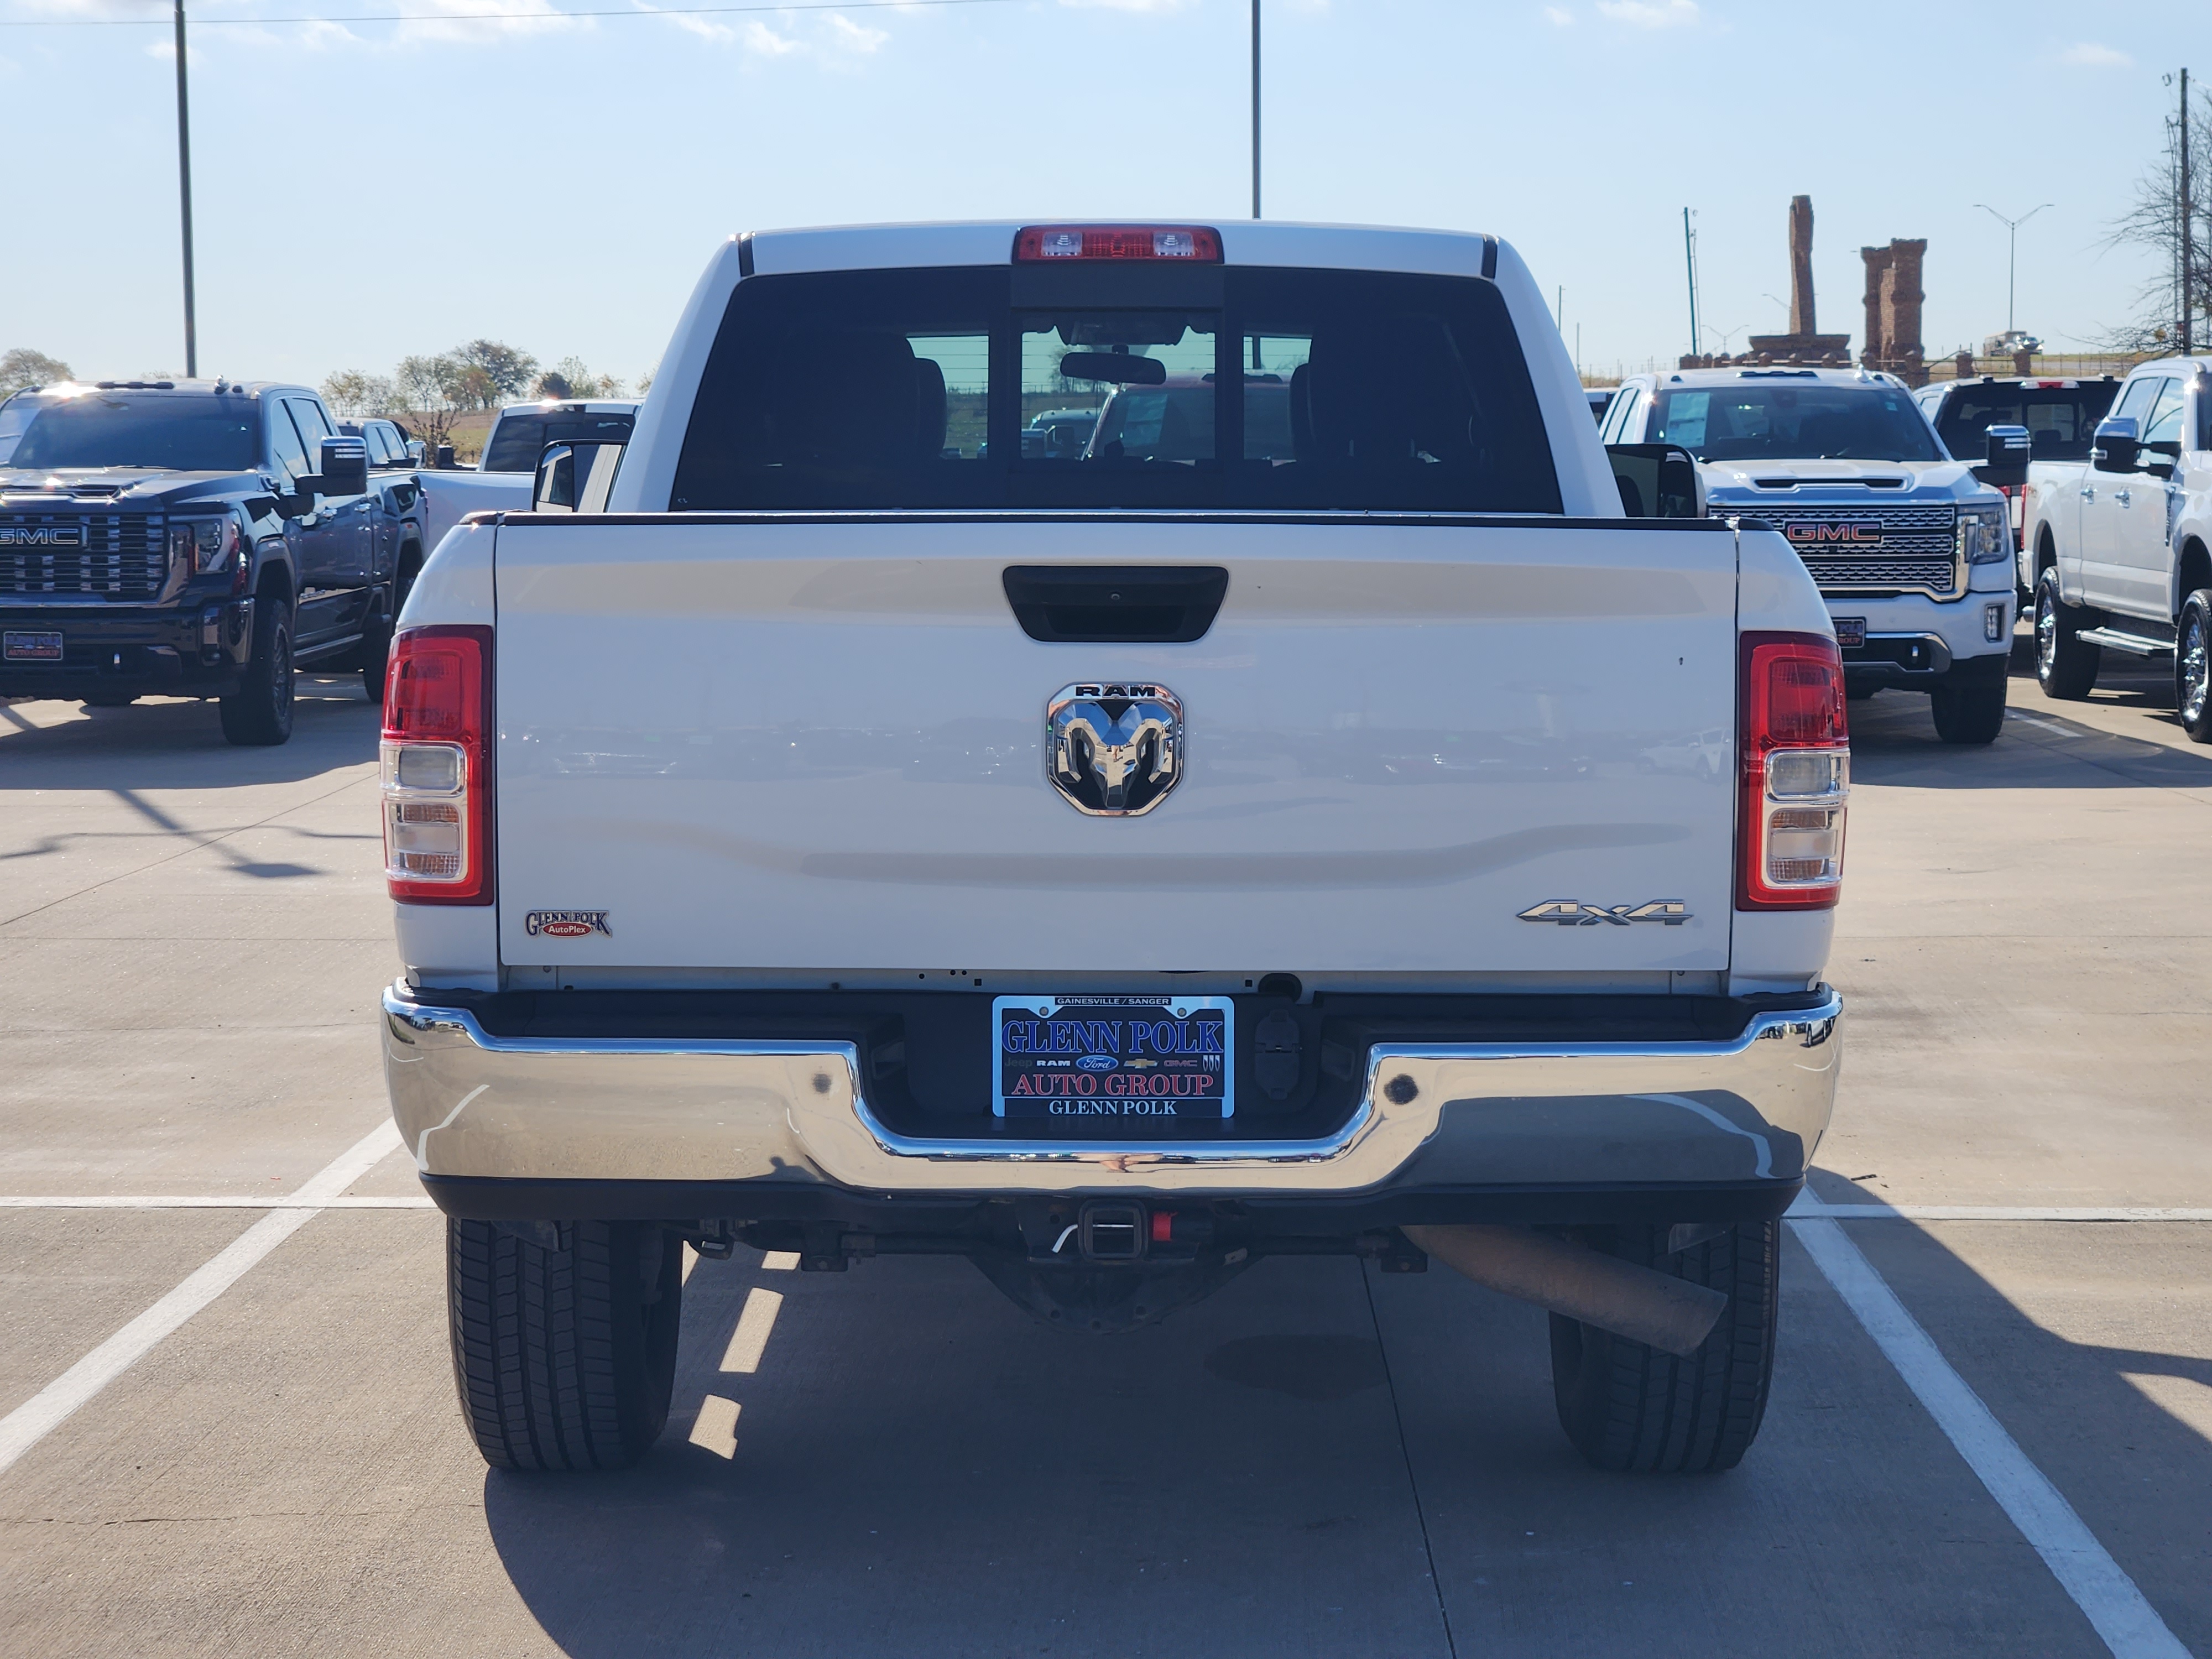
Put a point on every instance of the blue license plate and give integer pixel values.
(44, 645)
(1119, 1057)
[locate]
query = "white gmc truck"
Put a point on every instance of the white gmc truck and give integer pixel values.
(1315, 820)
(1911, 547)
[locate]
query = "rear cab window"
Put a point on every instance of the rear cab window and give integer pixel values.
(1116, 385)
(2060, 420)
(521, 436)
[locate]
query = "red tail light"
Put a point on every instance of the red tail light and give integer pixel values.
(437, 767)
(1047, 243)
(1797, 773)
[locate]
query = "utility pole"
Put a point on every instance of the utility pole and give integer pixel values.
(2188, 235)
(1255, 107)
(185, 197)
(1690, 258)
(2011, 250)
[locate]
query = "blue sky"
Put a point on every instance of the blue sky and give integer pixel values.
(369, 189)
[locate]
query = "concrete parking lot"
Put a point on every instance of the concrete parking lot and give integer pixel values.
(1321, 1460)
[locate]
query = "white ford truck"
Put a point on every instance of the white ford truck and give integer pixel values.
(1348, 834)
(502, 478)
(2118, 547)
(1912, 548)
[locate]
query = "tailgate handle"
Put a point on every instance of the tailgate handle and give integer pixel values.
(1120, 604)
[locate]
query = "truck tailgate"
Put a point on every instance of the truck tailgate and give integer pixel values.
(817, 745)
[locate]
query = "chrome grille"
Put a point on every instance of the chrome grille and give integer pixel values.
(1917, 552)
(125, 555)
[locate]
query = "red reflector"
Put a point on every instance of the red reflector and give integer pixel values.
(1804, 701)
(1164, 1226)
(1046, 243)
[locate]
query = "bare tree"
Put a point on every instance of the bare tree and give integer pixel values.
(570, 378)
(355, 395)
(24, 367)
(2152, 219)
(425, 389)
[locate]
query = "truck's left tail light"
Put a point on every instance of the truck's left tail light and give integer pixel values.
(1797, 773)
(437, 767)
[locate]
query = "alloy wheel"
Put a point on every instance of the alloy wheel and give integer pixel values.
(2195, 669)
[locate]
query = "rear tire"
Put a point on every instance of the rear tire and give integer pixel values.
(1969, 708)
(2064, 667)
(2192, 667)
(564, 1348)
(376, 649)
(259, 712)
(1629, 1408)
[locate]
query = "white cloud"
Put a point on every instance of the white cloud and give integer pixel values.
(848, 36)
(1559, 16)
(512, 17)
(761, 39)
(2091, 55)
(1651, 14)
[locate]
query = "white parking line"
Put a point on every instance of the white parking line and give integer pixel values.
(288, 1201)
(1810, 1208)
(2130, 1625)
(46, 1410)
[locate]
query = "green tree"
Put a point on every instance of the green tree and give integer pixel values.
(570, 378)
(505, 371)
(23, 367)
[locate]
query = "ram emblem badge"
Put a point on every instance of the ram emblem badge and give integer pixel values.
(1114, 749)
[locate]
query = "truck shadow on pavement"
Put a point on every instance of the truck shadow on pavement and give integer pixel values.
(174, 743)
(2047, 744)
(912, 1468)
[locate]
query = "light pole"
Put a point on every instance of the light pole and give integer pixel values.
(2012, 249)
(1255, 108)
(184, 198)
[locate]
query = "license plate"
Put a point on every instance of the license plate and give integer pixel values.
(1113, 1056)
(1850, 632)
(42, 646)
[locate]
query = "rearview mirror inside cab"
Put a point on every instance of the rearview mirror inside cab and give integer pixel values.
(574, 477)
(1657, 481)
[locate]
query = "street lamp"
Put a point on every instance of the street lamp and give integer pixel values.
(1255, 108)
(2012, 248)
(184, 199)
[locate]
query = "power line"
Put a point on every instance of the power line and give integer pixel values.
(482, 16)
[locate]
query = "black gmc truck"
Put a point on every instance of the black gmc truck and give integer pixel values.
(191, 538)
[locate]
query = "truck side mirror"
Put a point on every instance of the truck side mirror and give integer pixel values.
(555, 490)
(2009, 453)
(444, 458)
(344, 466)
(1657, 481)
(415, 451)
(2119, 437)
(574, 477)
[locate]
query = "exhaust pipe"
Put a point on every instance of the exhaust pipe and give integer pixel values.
(1640, 1303)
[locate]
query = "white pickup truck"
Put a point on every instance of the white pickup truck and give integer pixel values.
(2114, 547)
(1912, 548)
(500, 481)
(1344, 835)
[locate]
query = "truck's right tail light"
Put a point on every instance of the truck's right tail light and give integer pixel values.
(1797, 773)
(437, 767)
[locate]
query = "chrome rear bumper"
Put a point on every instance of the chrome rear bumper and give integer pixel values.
(474, 1105)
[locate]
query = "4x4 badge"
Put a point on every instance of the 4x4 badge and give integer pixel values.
(1571, 912)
